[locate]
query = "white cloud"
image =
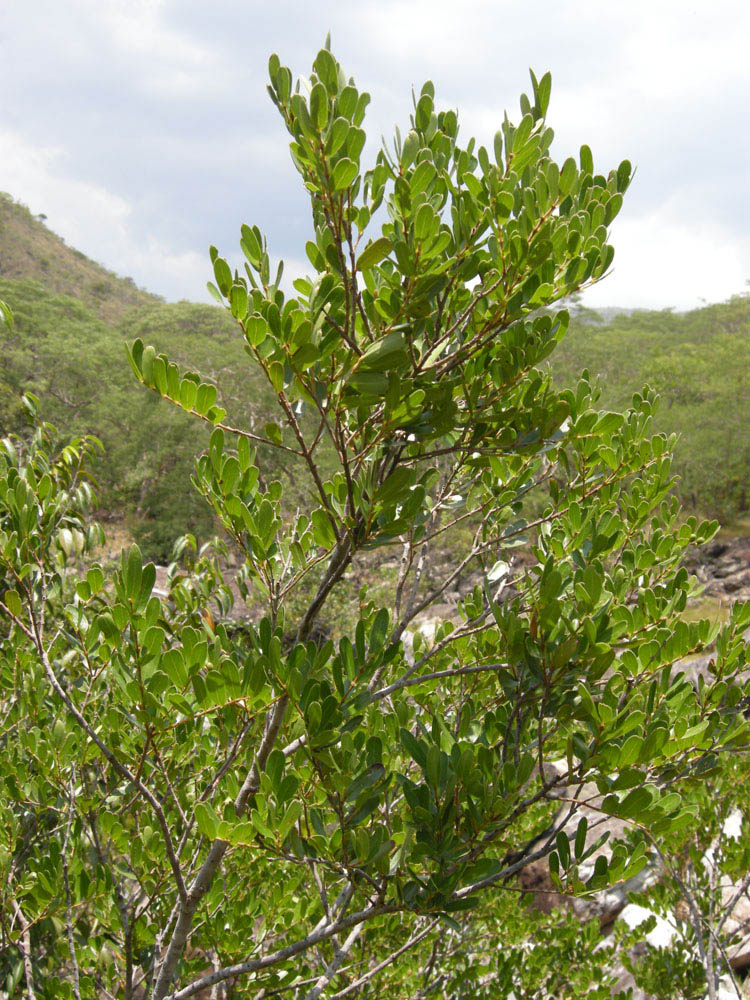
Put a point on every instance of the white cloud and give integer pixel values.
(140, 43)
(91, 218)
(158, 137)
(164, 59)
(668, 258)
(35, 175)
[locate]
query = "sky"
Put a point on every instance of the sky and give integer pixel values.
(143, 131)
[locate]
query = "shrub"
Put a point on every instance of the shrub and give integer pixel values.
(192, 806)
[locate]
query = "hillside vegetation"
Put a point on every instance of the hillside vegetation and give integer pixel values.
(68, 347)
(73, 318)
(30, 251)
(699, 363)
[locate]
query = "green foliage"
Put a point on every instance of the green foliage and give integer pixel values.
(706, 872)
(61, 351)
(31, 252)
(695, 361)
(698, 363)
(297, 813)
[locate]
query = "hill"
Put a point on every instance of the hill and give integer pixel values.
(699, 363)
(73, 318)
(31, 251)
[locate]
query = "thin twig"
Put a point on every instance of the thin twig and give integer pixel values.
(66, 884)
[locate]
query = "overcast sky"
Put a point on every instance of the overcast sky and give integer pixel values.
(143, 131)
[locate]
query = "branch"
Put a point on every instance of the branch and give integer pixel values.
(121, 768)
(25, 948)
(414, 940)
(283, 954)
(405, 682)
(220, 425)
(121, 907)
(68, 899)
(202, 881)
(335, 964)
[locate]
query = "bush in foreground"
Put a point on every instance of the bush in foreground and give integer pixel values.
(262, 811)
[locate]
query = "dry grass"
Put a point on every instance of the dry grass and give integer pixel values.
(30, 251)
(714, 609)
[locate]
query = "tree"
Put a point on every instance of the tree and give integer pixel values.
(697, 363)
(295, 807)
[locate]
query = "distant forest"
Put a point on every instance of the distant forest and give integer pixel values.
(73, 318)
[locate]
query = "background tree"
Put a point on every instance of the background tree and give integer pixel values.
(64, 353)
(698, 363)
(270, 809)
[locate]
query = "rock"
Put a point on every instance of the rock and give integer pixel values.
(663, 933)
(716, 549)
(723, 570)
(733, 584)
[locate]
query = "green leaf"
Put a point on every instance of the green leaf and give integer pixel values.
(581, 833)
(432, 765)
(498, 147)
(173, 665)
(630, 751)
(587, 160)
(319, 106)
(542, 90)
(206, 819)
(147, 364)
(563, 848)
(337, 136)
(251, 246)
(326, 68)
(238, 301)
(276, 376)
(422, 177)
(369, 383)
(323, 532)
(624, 172)
(256, 329)
(223, 276)
(522, 133)
(344, 174)
(205, 398)
(13, 602)
(374, 253)
(409, 149)
(568, 176)
(363, 811)
(636, 802)
(188, 393)
(132, 573)
(305, 356)
(414, 747)
(148, 578)
(424, 222)
(397, 484)
(366, 779)
(386, 354)
(214, 292)
(292, 814)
